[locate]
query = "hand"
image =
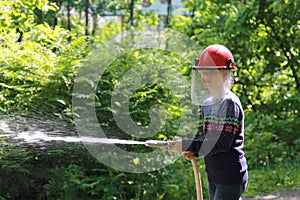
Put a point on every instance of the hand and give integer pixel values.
(175, 146)
(188, 155)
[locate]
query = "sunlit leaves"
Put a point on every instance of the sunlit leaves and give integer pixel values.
(42, 59)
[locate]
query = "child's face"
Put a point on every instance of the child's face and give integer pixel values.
(213, 79)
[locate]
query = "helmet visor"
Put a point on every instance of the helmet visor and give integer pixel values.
(204, 83)
(199, 92)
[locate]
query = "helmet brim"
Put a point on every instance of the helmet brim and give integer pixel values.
(213, 68)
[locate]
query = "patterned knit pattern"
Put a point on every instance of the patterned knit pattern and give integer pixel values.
(223, 141)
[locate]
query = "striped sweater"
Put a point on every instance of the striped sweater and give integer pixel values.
(223, 141)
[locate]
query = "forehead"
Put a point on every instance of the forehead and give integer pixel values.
(213, 73)
(210, 71)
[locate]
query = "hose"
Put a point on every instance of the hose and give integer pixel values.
(165, 145)
(197, 179)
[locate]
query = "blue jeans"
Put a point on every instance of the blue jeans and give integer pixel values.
(226, 192)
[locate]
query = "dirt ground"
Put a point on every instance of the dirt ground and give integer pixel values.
(289, 195)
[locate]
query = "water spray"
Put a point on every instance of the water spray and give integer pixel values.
(39, 136)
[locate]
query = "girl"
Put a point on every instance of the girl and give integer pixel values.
(223, 125)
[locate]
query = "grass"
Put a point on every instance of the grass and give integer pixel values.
(276, 178)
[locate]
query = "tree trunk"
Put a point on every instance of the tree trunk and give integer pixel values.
(20, 35)
(55, 19)
(131, 13)
(87, 18)
(169, 12)
(95, 20)
(69, 18)
(69, 15)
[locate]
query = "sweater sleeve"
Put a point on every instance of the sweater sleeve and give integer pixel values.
(192, 145)
(221, 131)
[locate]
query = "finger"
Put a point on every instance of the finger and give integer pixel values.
(188, 155)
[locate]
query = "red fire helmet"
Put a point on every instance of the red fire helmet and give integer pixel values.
(215, 56)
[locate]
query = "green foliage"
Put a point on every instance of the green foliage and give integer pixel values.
(179, 180)
(68, 171)
(13, 168)
(146, 95)
(273, 163)
(39, 69)
(107, 32)
(280, 177)
(39, 62)
(20, 14)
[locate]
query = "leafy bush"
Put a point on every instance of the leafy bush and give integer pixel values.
(38, 69)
